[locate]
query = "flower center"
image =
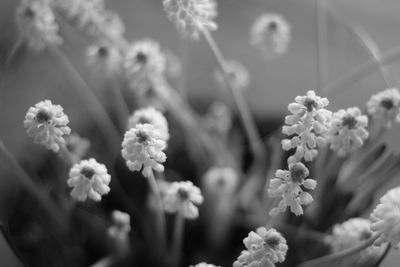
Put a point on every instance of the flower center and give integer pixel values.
(43, 116)
(142, 136)
(87, 172)
(144, 120)
(272, 241)
(103, 51)
(387, 103)
(298, 172)
(272, 26)
(29, 13)
(349, 122)
(365, 235)
(141, 58)
(183, 194)
(310, 104)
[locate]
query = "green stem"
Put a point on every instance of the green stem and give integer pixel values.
(323, 261)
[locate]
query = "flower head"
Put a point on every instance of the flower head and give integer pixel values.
(221, 181)
(47, 124)
(105, 58)
(289, 185)
(385, 106)
(191, 16)
(183, 197)
(121, 225)
(347, 130)
(219, 118)
(203, 264)
(151, 116)
(264, 248)
(89, 179)
(37, 25)
(142, 148)
(385, 218)
(77, 145)
(271, 34)
(238, 74)
(308, 123)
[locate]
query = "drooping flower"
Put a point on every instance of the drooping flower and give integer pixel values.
(308, 123)
(121, 225)
(104, 58)
(47, 124)
(192, 16)
(238, 74)
(220, 181)
(271, 33)
(183, 197)
(142, 148)
(151, 116)
(264, 248)
(347, 130)
(89, 179)
(77, 146)
(385, 106)
(385, 218)
(203, 264)
(289, 185)
(36, 25)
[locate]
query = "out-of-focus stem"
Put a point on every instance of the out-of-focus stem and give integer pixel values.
(120, 104)
(179, 227)
(321, 42)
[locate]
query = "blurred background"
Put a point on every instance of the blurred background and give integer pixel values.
(33, 77)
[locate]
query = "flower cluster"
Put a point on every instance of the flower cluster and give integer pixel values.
(105, 58)
(385, 218)
(385, 106)
(47, 124)
(89, 179)
(221, 181)
(288, 185)
(308, 123)
(183, 197)
(151, 116)
(37, 25)
(238, 75)
(347, 130)
(264, 248)
(192, 16)
(77, 146)
(271, 33)
(121, 225)
(142, 148)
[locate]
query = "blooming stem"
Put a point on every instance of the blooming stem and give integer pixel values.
(323, 261)
(177, 241)
(244, 112)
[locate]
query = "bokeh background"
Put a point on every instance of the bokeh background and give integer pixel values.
(31, 78)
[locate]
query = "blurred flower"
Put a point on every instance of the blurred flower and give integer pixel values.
(219, 118)
(385, 106)
(309, 123)
(89, 179)
(264, 248)
(183, 197)
(385, 218)
(238, 74)
(203, 264)
(142, 148)
(163, 187)
(36, 24)
(105, 58)
(173, 64)
(47, 124)
(221, 181)
(347, 130)
(151, 116)
(271, 34)
(288, 185)
(191, 16)
(77, 146)
(121, 226)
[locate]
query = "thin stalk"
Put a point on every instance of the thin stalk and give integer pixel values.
(323, 261)
(177, 241)
(244, 112)
(321, 42)
(380, 260)
(120, 104)
(182, 82)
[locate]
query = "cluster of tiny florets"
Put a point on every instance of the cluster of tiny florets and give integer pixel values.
(385, 106)
(347, 130)
(105, 58)
(183, 197)
(37, 25)
(192, 16)
(89, 179)
(121, 225)
(47, 124)
(151, 116)
(308, 124)
(221, 181)
(142, 149)
(271, 33)
(263, 248)
(289, 185)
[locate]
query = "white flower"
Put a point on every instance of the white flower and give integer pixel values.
(219, 118)
(347, 130)
(264, 249)
(183, 197)
(308, 123)
(36, 24)
(221, 181)
(271, 33)
(89, 179)
(142, 148)
(151, 116)
(238, 74)
(121, 225)
(191, 16)
(105, 58)
(288, 185)
(203, 264)
(47, 124)
(385, 218)
(385, 106)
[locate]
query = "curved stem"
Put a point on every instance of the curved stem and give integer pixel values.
(322, 261)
